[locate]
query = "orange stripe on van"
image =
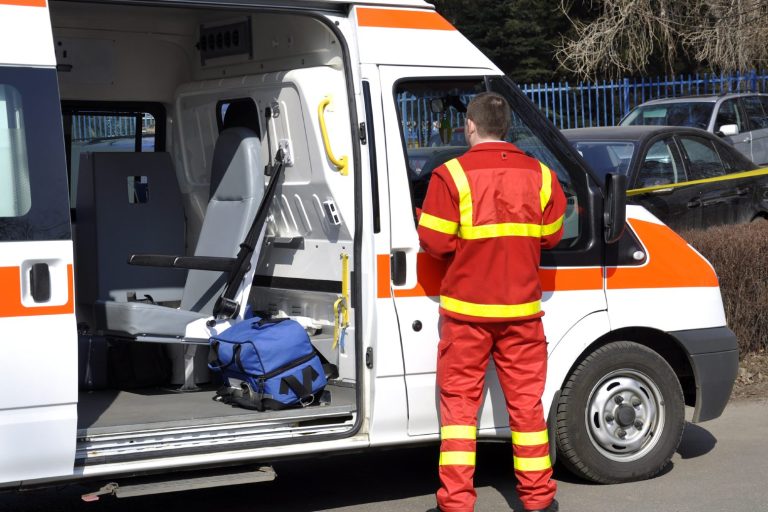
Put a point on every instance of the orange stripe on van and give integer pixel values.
(25, 3)
(397, 18)
(430, 271)
(671, 262)
(10, 296)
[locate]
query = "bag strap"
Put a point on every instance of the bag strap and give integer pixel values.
(302, 389)
(226, 307)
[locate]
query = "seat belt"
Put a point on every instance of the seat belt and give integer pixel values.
(226, 306)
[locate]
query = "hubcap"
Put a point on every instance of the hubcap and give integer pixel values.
(625, 415)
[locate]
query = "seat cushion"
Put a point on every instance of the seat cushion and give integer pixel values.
(139, 318)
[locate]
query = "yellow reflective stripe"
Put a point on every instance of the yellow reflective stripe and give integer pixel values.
(465, 196)
(458, 432)
(457, 458)
(530, 438)
(490, 310)
(551, 229)
(546, 186)
(497, 230)
(436, 223)
(735, 176)
(532, 463)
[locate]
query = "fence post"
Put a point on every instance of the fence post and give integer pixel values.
(626, 97)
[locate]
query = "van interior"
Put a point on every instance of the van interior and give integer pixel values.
(171, 116)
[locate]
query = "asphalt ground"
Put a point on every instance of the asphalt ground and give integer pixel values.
(720, 466)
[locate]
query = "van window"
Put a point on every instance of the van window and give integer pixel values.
(432, 114)
(97, 127)
(33, 194)
(15, 193)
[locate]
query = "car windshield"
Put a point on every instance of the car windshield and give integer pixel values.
(691, 113)
(606, 157)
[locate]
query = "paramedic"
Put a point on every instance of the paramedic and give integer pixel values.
(489, 213)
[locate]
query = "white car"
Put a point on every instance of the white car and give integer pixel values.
(742, 119)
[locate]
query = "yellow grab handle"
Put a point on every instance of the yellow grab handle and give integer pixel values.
(341, 163)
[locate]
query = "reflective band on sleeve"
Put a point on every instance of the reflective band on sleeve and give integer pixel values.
(490, 310)
(437, 224)
(530, 438)
(532, 463)
(458, 432)
(457, 458)
(546, 186)
(551, 229)
(462, 185)
(499, 230)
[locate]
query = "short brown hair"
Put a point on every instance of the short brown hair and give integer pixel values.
(491, 114)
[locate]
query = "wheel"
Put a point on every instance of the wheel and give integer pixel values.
(620, 415)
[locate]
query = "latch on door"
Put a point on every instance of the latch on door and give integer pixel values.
(398, 268)
(40, 282)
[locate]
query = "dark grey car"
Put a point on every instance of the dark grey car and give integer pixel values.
(685, 176)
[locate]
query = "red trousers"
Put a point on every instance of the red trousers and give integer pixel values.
(519, 351)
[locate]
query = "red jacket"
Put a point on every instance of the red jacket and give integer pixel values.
(490, 212)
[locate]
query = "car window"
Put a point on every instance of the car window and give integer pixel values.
(660, 165)
(703, 159)
(606, 157)
(684, 113)
(756, 115)
(15, 193)
(729, 113)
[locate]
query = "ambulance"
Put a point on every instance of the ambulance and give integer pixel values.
(134, 139)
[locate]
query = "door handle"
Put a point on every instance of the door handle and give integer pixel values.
(694, 203)
(398, 267)
(40, 282)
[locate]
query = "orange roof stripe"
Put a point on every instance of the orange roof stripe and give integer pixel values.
(25, 3)
(398, 18)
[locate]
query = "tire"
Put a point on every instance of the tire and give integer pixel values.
(620, 415)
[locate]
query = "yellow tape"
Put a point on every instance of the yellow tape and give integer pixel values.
(490, 310)
(546, 186)
(530, 438)
(457, 458)
(458, 432)
(532, 463)
(465, 195)
(736, 176)
(437, 224)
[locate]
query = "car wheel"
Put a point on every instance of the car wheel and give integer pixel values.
(620, 415)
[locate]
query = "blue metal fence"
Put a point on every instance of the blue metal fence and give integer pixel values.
(88, 127)
(604, 103)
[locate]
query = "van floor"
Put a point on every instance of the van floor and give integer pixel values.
(112, 411)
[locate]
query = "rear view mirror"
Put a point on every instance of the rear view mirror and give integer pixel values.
(615, 208)
(728, 130)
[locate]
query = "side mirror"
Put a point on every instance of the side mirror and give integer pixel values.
(615, 207)
(728, 130)
(437, 106)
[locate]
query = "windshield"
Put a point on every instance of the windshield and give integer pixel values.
(606, 157)
(691, 113)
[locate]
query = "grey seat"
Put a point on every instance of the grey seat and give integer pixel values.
(127, 203)
(236, 190)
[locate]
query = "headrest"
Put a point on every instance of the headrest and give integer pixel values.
(236, 166)
(243, 114)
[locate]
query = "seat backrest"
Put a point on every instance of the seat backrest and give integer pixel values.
(127, 203)
(237, 188)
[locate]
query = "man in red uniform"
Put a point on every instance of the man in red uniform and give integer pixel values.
(489, 213)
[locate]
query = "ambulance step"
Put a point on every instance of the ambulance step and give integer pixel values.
(185, 482)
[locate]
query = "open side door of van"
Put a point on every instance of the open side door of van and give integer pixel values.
(38, 369)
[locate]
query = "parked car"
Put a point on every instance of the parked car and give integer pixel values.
(742, 119)
(687, 177)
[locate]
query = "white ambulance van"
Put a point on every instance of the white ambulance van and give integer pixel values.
(144, 128)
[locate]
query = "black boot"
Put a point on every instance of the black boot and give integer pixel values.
(553, 507)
